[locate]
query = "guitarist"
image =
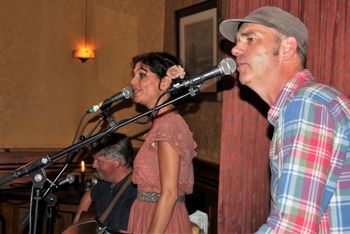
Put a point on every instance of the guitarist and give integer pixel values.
(113, 163)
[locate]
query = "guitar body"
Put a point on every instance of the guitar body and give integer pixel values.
(87, 224)
(89, 214)
(86, 227)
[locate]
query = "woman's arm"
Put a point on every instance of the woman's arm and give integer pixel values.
(169, 167)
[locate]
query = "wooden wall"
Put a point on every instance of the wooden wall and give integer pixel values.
(44, 90)
(203, 114)
(15, 195)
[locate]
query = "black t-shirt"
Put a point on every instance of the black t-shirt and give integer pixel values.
(103, 193)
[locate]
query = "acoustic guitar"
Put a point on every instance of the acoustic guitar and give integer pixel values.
(87, 224)
(87, 227)
(94, 226)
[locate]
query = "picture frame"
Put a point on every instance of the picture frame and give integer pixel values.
(196, 41)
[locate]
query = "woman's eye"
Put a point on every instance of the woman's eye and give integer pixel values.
(141, 74)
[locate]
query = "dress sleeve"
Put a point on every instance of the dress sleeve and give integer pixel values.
(306, 145)
(177, 134)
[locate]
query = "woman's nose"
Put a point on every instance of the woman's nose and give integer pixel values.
(133, 81)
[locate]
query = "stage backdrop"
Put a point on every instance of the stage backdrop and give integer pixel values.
(244, 171)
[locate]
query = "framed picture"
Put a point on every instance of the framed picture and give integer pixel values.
(196, 31)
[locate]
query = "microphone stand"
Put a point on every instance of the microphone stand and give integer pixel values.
(51, 199)
(39, 178)
(50, 211)
(36, 167)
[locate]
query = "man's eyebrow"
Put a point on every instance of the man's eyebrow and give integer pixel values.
(248, 33)
(245, 34)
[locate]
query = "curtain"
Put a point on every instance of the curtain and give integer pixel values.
(243, 203)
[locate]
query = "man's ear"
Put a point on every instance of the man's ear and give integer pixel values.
(289, 47)
(117, 163)
(165, 83)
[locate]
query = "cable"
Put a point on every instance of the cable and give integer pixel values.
(78, 128)
(153, 113)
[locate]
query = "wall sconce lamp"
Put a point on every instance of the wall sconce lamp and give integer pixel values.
(84, 52)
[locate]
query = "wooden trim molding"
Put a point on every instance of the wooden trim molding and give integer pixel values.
(205, 191)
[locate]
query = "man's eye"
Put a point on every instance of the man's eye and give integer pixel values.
(250, 39)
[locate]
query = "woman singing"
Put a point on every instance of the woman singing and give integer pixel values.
(163, 168)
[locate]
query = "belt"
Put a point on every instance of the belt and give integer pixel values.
(153, 196)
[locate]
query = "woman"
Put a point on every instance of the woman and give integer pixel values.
(163, 168)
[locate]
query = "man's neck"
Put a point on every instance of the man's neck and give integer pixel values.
(121, 174)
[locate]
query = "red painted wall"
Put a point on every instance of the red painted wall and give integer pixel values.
(244, 172)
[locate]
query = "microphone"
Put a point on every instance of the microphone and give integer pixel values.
(69, 179)
(227, 66)
(126, 93)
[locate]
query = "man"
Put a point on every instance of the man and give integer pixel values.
(113, 163)
(310, 149)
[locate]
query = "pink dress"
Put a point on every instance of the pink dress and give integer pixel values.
(173, 129)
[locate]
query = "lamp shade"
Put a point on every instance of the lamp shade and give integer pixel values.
(84, 54)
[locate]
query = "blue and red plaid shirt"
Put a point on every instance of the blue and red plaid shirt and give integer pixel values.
(309, 159)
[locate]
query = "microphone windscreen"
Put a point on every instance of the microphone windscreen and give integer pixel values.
(228, 65)
(127, 92)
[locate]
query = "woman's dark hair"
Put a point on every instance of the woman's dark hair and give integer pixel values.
(158, 62)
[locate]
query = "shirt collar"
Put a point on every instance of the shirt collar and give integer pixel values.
(287, 93)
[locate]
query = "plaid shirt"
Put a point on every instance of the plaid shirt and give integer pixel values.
(309, 159)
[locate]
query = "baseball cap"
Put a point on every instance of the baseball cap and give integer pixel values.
(273, 17)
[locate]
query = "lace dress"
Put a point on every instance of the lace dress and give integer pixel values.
(173, 129)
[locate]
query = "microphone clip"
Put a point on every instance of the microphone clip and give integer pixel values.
(194, 90)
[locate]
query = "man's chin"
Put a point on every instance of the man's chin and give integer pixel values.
(101, 177)
(243, 79)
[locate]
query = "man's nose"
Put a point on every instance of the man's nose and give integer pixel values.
(94, 164)
(236, 51)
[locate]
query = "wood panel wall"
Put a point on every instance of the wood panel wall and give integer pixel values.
(14, 195)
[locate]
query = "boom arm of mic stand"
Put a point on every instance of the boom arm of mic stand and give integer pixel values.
(192, 91)
(48, 159)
